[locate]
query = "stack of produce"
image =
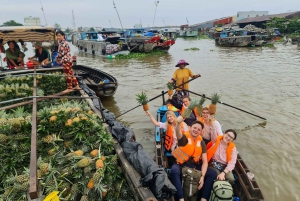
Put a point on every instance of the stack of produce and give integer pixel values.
(76, 154)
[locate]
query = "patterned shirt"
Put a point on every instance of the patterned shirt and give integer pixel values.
(64, 52)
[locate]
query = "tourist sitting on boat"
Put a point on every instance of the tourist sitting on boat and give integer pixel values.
(42, 56)
(170, 141)
(186, 102)
(208, 122)
(191, 152)
(14, 55)
(222, 154)
(180, 76)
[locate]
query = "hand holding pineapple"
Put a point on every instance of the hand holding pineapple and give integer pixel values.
(188, 111)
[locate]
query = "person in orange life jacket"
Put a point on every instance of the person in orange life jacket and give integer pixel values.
(191, 152)
(222, 154)
(180, 76)
(208, 122)
(185, 103)
(169, 126)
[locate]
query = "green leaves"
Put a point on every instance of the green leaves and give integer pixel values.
(142, 98)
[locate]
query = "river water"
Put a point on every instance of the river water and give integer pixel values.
(264, 81)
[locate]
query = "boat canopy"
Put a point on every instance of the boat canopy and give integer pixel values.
(27, 33)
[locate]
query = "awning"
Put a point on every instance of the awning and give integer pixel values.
(27, 33)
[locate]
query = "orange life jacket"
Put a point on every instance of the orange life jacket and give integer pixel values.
(169, 136)
(212, 148)
(195, 111)
(172, 108)
(192, 149)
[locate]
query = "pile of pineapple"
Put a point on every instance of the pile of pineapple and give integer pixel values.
(75, 154)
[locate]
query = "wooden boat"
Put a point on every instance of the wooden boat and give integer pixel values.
(244, 188)
(99, 81)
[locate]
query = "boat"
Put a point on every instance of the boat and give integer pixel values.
(187, 31)
(99, 81)
(244, 188)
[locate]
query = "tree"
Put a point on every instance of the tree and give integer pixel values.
(68, 30)
(293, 25)
(79, 29)
(92, 29)
(277, 22)
(11, 23)
(57, 26)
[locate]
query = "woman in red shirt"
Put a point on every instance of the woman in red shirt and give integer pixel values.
(64, 57)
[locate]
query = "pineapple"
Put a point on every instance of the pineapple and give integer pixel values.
(94, 153)
(39, 174)
(67, 171)
(25, 186)
(76, 119)
(188, 111)
(84, 198)
(90, 112)
(24, 147)
(97, 177)
(99, 164)
(199, 107)
(3, 138)
(53, 118)
(22, 178)
(47, 139)
(212, 107)
(87, 170)
(91, 184)
(68, 143)
(53, 151)
(69, 122)
(44, 167)
(74, 190)
(103, 158)
(20, 136)
(84, 162)
(7, 192)
(114, 160)
(78, 153)
(63, 185)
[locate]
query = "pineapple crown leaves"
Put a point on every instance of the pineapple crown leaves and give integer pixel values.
(20, 112)
(194, 102)
(215, 98)
(202, 101)
(142, 98)
(170, 85)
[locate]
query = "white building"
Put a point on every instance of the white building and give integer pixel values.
(32, 21)
(246, 14)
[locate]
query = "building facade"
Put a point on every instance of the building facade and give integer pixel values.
(245, 14)
(32, 21)
(222, 21)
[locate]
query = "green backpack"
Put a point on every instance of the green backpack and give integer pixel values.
(190, 183)
(222, 191)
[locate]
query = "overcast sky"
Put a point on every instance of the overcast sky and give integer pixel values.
(101, 13)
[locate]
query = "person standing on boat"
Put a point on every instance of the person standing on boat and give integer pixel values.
(209, 122)
(191, 152)
(222, 154)
(186, 100)
(180, 76)
(170, 141)
(64, 57)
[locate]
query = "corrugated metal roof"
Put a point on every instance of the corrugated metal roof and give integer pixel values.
(113, 30)
(27, 33)
(264, 18)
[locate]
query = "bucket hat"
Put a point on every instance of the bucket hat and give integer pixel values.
(182, 61)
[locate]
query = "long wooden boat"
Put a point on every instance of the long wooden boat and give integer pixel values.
(99, 81)
(244, 188)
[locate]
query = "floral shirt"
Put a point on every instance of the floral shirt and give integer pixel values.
(64, 52)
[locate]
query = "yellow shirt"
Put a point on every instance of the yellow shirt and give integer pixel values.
(181, 76)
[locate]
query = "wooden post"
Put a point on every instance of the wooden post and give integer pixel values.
(33, 182)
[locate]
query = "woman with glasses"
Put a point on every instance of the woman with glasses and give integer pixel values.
(222, 154)
(209, 122)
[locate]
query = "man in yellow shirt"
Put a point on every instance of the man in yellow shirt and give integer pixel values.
(181, 75)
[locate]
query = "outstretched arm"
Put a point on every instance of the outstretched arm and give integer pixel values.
(152, 119)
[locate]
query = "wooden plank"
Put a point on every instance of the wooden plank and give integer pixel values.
(33, 182)
(31, 101)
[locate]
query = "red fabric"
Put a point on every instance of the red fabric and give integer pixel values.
(68, 71)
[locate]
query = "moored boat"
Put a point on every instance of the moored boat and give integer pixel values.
(244, 188)
(101, 82)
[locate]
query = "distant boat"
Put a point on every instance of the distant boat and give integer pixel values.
(186, 31)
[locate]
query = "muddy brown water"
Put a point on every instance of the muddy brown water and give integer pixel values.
(264, 81)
